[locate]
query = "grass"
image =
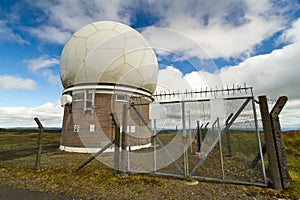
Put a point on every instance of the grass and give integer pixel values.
(58, 170)
(292, 143)
(22, 140)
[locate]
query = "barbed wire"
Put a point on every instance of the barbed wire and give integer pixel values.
(203, 92)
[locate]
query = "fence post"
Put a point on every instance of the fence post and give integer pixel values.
(229, 152)
(270, 145)
(279, 142)
(154, 144)
(40, 144)
(184, 141)
(199, 137)
(117, 144)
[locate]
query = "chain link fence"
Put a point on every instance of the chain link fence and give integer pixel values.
(201, 139)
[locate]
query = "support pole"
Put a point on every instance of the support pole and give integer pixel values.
(94, 156)
(257, 157)
(270, 145)
(184, 141)
(206, 125)
(129, 134)
(230, 122)
(199, 137)
(117, 150)
(221, 153)
(190, 134)
(229, 152)
(117, 144)
(154, 145)
(205, 130)
(261, 153)
(123, 139)
(40, 144)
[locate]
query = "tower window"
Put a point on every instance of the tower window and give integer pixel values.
(89, 100)
(121, 97)
(78, 96)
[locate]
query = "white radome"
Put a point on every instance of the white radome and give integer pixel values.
(108, 52)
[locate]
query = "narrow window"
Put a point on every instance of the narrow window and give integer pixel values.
(89, 100)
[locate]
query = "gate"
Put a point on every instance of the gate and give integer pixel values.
(208, 135)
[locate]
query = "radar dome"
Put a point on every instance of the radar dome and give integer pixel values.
(108, 52)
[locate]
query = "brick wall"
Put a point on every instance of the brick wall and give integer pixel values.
(105, 104)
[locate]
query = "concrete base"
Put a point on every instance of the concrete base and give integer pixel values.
(95, 150)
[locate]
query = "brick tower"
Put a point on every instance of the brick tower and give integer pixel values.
(105, 65)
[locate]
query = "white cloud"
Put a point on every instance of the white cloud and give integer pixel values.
(274, 74)
(14, 82)
(171, 79)
(52, 78)
(80, 13)
(162, 40)
(50, 34)
(7, 33)
(289, 116)
(50, 115)
(224, 29)
(65, 17)
(42, 62)
(292, 34)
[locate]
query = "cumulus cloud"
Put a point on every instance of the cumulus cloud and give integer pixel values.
(224, 29)
(50, 115)
(291, 35)
(171, 79)
(82, 12)
(274, 74)
(14, 82)
(65, 17)
(42, 64)
(7, 33)
(162, 40)
(50, 34)
(52, 78)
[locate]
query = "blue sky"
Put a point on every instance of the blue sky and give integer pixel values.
(248, 41)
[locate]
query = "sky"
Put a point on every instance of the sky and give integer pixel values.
(252, 42)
